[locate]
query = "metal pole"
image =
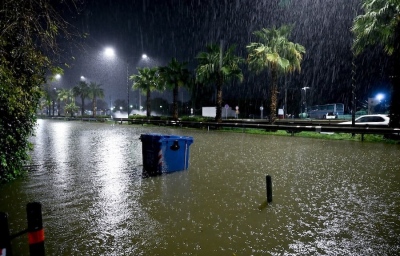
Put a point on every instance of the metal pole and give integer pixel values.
(127, 82)
(140, 102)
(353, 91)
(285, 109)
(305, 99)
(5, 241)
(35, 229)
(269, 188)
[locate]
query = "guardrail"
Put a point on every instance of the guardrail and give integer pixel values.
(290, 127)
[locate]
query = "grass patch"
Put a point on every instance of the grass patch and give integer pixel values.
(314, 135)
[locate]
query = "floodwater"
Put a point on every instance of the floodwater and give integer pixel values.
(329, 197)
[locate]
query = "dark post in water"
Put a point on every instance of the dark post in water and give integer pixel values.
(35, 229)
(5, 243)
(269, 188)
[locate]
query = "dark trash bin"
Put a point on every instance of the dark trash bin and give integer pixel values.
(165, 153)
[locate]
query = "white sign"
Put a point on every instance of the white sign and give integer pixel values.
(261, 108)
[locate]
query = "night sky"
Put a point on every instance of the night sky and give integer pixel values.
(164, 29)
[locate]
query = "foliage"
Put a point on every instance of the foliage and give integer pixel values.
(380, 25)
(137, 117)
(28, 33)
(196, 118)
(377, 25)
(147, 80)
(71, 108)
(218, 67)
(95, 91)
(276, 53)
(173, 76)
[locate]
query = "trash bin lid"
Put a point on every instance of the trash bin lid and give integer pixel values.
(162, 137)
(166, 138)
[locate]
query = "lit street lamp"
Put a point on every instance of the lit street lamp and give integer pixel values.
(380, 96)
(110, 52)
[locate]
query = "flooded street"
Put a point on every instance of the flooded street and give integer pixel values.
(329, 197)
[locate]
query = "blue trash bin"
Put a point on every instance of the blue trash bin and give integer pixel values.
(165, 153)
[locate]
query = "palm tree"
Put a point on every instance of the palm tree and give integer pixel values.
(95, 92)
(173, 76)
(46, 96)
(81, 90)
(147, 81)
(380, 25)
(71, 108)
(274, 52)
(218, 67)
(65, 96)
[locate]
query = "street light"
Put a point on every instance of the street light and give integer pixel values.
(305, 98)
(110, 53)
(380, 96)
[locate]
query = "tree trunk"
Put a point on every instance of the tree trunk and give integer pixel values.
(218, 116)
(175, 104)
(148, 103)
(274, 94)
(94, 106)
(82, 107)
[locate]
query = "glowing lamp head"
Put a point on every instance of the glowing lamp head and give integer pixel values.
(109, 52)
(380, 96)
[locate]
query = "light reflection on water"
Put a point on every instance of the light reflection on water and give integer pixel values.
(330, 197)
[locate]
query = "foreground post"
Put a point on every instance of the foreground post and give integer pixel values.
(35, 229)
(269, 188)
(5, 243)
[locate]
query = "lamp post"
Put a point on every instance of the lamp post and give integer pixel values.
(145, 58)
(110, 52)
(127, 83)
(305, 98)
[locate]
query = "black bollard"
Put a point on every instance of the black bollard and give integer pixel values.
(35, 229)
(269, 189)
(5, 241)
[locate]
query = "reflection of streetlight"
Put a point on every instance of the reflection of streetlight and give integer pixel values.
(305, 98)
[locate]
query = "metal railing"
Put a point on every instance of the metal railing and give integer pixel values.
(291, 127)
